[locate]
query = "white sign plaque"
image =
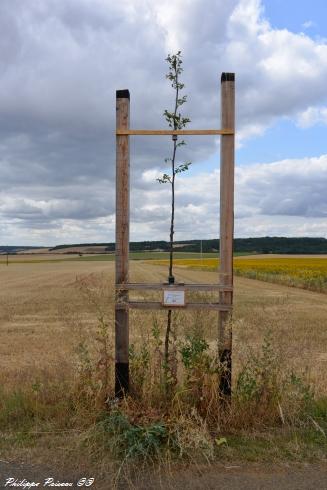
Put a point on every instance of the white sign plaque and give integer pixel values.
(173, 297)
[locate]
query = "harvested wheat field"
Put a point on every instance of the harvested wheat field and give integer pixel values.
(44, 311)
(56, 359)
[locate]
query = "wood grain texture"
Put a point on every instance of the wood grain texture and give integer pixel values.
(157, 305)
(161, 286)
(167, 132)
(122, 244)
(227, 146)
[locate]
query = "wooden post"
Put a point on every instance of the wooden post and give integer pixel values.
(226, 226)
(122, 245)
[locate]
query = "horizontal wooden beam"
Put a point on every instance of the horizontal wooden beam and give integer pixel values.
(157, 305)
(178, 286)
(167, 132)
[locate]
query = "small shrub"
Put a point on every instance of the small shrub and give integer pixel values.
(139, 360)
(201, 370)
(130, 441)
(266, 390)
(193, 352)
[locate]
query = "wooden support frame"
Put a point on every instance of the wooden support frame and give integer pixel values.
(170, 132)
(122, 244)
(157, 305)
(225, 286)
(227, 150)
(161, 286)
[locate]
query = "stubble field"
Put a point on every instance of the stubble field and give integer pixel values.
(44, 312)
(49, 312)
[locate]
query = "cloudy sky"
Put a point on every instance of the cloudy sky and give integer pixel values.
(61, 62)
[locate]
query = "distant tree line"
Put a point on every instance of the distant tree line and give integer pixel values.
(71, 245)
(262, 245)
(281, 245)
(13, 249)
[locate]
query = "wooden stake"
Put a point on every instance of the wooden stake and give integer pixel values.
(176, 285)
(167, 132)
(122, 245)
(157, 305)
(226, 226)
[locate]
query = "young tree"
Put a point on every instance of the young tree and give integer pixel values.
(175, 121)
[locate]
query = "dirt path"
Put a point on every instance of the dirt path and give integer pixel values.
(250, 477)
(233, 477)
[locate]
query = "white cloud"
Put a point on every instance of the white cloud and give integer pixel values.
(307, 24)
(60, 64)
(312, 116)
(285, 198)
(284, 188)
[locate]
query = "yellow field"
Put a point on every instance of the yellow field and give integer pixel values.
(304, 272)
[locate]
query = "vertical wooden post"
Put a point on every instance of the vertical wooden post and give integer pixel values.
(122, 245)
(226, 225)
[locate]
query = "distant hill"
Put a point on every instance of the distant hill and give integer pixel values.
(281, 245)
(262, 245)
(13, 249)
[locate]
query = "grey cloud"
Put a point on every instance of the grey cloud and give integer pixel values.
(61, 62)
(285, 188)
(279, 197)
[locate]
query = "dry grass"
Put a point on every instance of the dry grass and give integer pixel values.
(50, 312)
(43, 316)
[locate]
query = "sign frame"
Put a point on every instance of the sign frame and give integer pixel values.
(180, 295)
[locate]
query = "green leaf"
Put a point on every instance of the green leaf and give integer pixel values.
(165, 179)
(182, 100)
(220, 441)
(182, 168)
